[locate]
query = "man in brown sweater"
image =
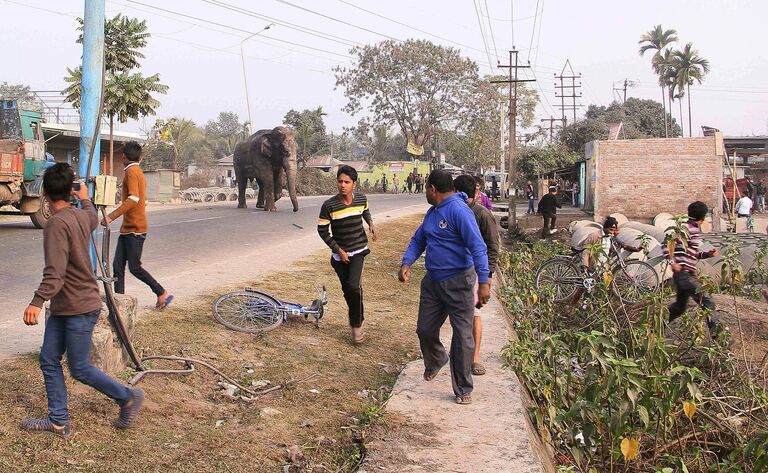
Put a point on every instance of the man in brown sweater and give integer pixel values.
(133, 231)
(70, 285)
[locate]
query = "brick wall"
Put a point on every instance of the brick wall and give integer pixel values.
(641, 178)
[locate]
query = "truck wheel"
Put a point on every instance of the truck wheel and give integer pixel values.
(40, 217)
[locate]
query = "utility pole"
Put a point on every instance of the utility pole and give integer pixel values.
(512, 81)
(551, 126)
(501, 139)
(626, 84)
(572, 86)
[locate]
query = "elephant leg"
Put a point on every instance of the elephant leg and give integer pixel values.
(260, 198)
(242, 183)
(269, 195)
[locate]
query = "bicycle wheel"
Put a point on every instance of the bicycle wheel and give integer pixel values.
(634, 280)
(247, 311)
(561, 276)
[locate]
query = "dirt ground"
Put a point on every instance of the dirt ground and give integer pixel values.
(753, 318)
(188, 424)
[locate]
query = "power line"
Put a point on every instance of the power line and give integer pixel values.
(512, 18)
(284, 2)
(533, 31)
(292, 26)
(538, 36)
(409, 26)
(234, 28)
(490, 28)
(482, 34)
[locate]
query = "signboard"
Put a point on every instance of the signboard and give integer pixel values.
(414, 149)
(396, 167)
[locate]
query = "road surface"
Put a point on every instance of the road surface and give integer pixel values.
(191, 249)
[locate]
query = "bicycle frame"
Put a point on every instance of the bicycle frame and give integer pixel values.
(286, 308)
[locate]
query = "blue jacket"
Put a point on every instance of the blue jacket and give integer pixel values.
(452, 239)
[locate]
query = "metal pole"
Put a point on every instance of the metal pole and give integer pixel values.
(501, 140)
(512, 210)
(245, 77)
(93, 71)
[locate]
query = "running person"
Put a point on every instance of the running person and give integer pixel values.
(341, 228)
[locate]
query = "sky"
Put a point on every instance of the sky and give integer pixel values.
(195, 47)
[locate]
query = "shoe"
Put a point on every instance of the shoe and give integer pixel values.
(45, 425)
(553, 231)
(165, 303)
(130, 409)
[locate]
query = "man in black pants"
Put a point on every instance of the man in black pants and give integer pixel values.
(344, 214)
(548, 206)
(133, 231)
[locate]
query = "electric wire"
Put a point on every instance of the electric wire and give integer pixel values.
(490, 29)
(533, 31)
(482, 34)
(284, 2)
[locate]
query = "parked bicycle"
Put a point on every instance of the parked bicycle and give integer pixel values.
(630, 278)
(254, 311)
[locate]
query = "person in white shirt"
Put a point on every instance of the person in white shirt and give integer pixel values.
(744, 206)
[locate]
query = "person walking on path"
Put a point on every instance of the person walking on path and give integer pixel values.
(575, 194)
(494, 188)
(69, 283)
(760, 196)
(744, 206)
(133, 231)
(490, 233)
(530, 194)
(395, 183)
(683, 262)
(548, 206)
(455, 254)
(409, 183)
(341, 228)
(384, 187)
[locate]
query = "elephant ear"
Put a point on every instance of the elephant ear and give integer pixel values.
(266, 146)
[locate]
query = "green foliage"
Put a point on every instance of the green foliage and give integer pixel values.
(22, 94)
(532, 160)
(640, 118)
(225, 132)
(380, 143)
(176, 143)
(616, 390)
(123, 37)
(414, 84)
(309, 128)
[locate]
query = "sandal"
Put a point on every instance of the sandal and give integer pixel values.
(464, 399)
(430, 375)
(165, 303)
(478, 369)
(357, 340)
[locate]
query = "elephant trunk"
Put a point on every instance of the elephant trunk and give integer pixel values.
(290, 172)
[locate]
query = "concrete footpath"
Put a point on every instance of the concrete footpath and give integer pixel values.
(489, 435)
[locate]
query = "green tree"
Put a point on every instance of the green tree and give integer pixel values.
(176, 143)
(689, 67)
(415, 85)
(225, 132)
(310, 132)
(657, 40)
(126, 96)
(22, 94)
(534, 160)
(380, 143)
(640, 118)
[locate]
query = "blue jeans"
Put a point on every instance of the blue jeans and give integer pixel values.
(530, 206)
(72, 333)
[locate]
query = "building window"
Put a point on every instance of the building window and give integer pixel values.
(229, 173)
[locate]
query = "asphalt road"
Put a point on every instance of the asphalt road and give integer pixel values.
(190, 249)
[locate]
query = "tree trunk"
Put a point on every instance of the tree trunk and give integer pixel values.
(680, 103)
(690, 127)
(111, 146)
(664, 106)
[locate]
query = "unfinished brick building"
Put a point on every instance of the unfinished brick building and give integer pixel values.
(641, 178)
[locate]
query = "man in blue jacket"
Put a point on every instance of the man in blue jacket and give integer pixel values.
(455, 253)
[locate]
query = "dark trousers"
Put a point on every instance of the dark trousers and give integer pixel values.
(350, 276)
(129, 248)
(549, 224)
(453, 299)
(72, 334)
(688, 287)
(530, 206)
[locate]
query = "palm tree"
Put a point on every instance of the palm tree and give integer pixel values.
(690, 67)
(123, 37)
(657, 40)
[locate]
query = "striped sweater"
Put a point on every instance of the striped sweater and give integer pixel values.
(687, 257)
(341, 226)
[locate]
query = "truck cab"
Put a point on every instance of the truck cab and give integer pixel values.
(22, 162)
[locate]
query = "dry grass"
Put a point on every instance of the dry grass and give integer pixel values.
(177, 429)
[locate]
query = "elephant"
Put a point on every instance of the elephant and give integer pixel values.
(267, 156)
